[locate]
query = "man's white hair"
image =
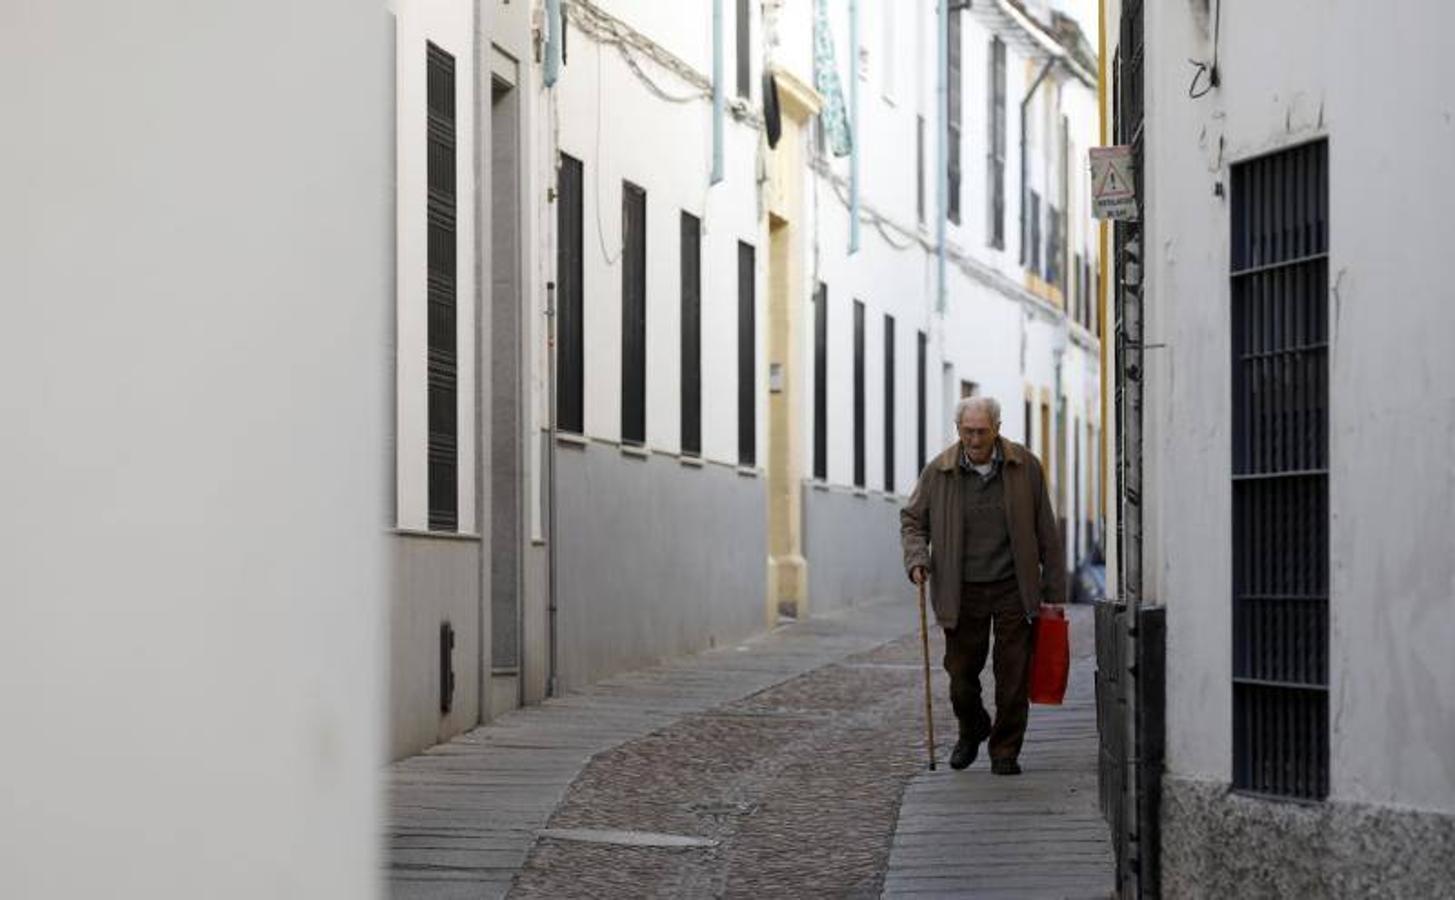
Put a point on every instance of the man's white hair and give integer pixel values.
(989, 405)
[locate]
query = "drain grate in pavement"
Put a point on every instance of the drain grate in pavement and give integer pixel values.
(625, 838)
(723, 810)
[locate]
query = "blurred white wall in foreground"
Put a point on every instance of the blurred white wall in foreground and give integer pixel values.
(194, 292)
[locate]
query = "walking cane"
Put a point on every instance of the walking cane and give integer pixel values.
(924, 636)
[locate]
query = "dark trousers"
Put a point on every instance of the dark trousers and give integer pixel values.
(983, 608)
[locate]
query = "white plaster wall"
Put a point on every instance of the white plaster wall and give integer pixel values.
(194, 260)
(1368, 78)
(449, 24)
(609, 120)
(981, 332)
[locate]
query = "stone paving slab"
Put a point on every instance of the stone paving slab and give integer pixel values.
(464, 815)
(1040, 834)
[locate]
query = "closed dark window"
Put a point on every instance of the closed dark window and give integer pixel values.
(570, 348)
(441, 265)
(1280, 428)
(955, 100)
(995, 157)
(821, 383)
(858, 393)
(1053, 246)
(921, 400)
(1028, 424)
(1033, 223)
(633, 314)
(691, 335)
(889, 404)
(747, 357)
(745, 48)
(1078, 292)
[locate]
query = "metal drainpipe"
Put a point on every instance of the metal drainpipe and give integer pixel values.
(553, 42)
(1025, 102)
(853, 126)
(942, 139)
(719, 92)
(552, 681)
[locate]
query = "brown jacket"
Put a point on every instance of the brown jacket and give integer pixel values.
(930, 525)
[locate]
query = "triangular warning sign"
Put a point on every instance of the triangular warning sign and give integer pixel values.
(1112, 183)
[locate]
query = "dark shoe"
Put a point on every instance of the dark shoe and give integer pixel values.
(1004, 766)
(968, 747)
(965, 751)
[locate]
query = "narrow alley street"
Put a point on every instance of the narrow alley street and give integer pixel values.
(790, 766)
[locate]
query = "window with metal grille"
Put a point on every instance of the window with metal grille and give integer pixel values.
(889, 404)
(691, 335)
(1033, 222)
(821, 383)
(1280, 382)
(954, 100)
(1053, 245)
(922, 401)
(858, 393)
(747, 357)
(745, 48)
(633, 314)
(570, 347)
(995, 157)
(441, 265)
(1078, 291)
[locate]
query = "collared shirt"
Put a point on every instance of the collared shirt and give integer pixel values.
(987, 471)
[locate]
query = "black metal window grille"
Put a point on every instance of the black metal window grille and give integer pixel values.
(691, 335)
(1078, 291)
(859, 393)
(921, 399)
(889, 404)
(570, 268)
(441, 264)
(821, 383)
(1053, 245)
(747, 357)
(995, 157)
(1033, 222)
(745, 48)
(955, 102)
(1280, 369)
(633, 314)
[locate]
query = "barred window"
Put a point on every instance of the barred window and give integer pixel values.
(441, 264)
(1280, 383)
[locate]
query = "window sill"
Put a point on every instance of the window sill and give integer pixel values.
(691, 462)
(440, 535)
(635, 451)
(748, 471)
(571, 439)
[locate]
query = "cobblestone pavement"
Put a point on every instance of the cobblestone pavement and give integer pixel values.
(464, 816)
(799, 786)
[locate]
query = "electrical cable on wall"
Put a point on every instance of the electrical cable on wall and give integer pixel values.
(1208, 70)
(596, 186)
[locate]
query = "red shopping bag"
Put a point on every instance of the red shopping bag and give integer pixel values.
(1050, 656)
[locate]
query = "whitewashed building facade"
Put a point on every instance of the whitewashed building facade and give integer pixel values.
(1297, 497)
(668, 332)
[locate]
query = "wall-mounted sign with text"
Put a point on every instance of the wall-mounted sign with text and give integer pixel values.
(1113, 193)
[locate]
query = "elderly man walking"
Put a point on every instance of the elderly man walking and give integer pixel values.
(980, 529)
